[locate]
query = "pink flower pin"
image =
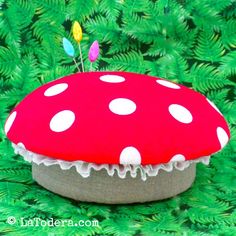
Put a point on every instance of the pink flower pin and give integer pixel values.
(93, 52)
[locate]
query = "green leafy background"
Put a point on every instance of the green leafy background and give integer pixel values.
(187, 41)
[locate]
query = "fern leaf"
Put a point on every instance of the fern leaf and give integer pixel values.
(6, 151)
(49, 203)
(3, 116)
(206, 77)
(217, 96)
(228, 108)
(203, 16)
(15, 172)
(132, 61)
(163, 46)
(8, 61)
(10, 190)
(122, 44)
(23, 12)
(228, 64)
(228, 36)
(104, 29)
(80, 9)
(111, 8)
(179, 31)
(209, 48)
(53, 10)
(146, 32)
(30, 45)
(23, 80)
(94, 211)
(230, 11)
(161, 224)
(138, 6)
(50, 33)
(174, 68)
(119, 226)
(55, 72)
(9, 27)
(219, 5)
(50, 67)
(25, 73)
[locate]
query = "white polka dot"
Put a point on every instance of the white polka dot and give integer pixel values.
(10, 121)
(21, 145)
(130, 155)
(168, 84)
(180, 113)
(214, 106)
(62, 121)
(55, 89)
(122, 106)
(222, 136)
(112, 78)
(177, 157)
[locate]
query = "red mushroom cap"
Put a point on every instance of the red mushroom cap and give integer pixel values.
(117, 118)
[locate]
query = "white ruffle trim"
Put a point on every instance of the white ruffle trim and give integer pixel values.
(84, 168)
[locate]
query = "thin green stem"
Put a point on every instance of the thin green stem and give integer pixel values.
(81, 57)
(76, 64)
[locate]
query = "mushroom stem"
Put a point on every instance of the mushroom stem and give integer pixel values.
(81, 57)
(76, 64)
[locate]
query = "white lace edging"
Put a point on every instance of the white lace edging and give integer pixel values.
(84, 168)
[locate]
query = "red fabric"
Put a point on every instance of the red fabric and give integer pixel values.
(99, 136)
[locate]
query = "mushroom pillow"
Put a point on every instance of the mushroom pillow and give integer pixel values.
(116, 137)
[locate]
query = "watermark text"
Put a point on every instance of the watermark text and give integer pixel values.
(50, 222)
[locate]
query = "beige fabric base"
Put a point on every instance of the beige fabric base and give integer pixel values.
(102, 188)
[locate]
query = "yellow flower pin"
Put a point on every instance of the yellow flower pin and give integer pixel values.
(77, 32)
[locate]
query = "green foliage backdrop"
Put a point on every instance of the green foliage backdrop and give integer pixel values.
(188, 41)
